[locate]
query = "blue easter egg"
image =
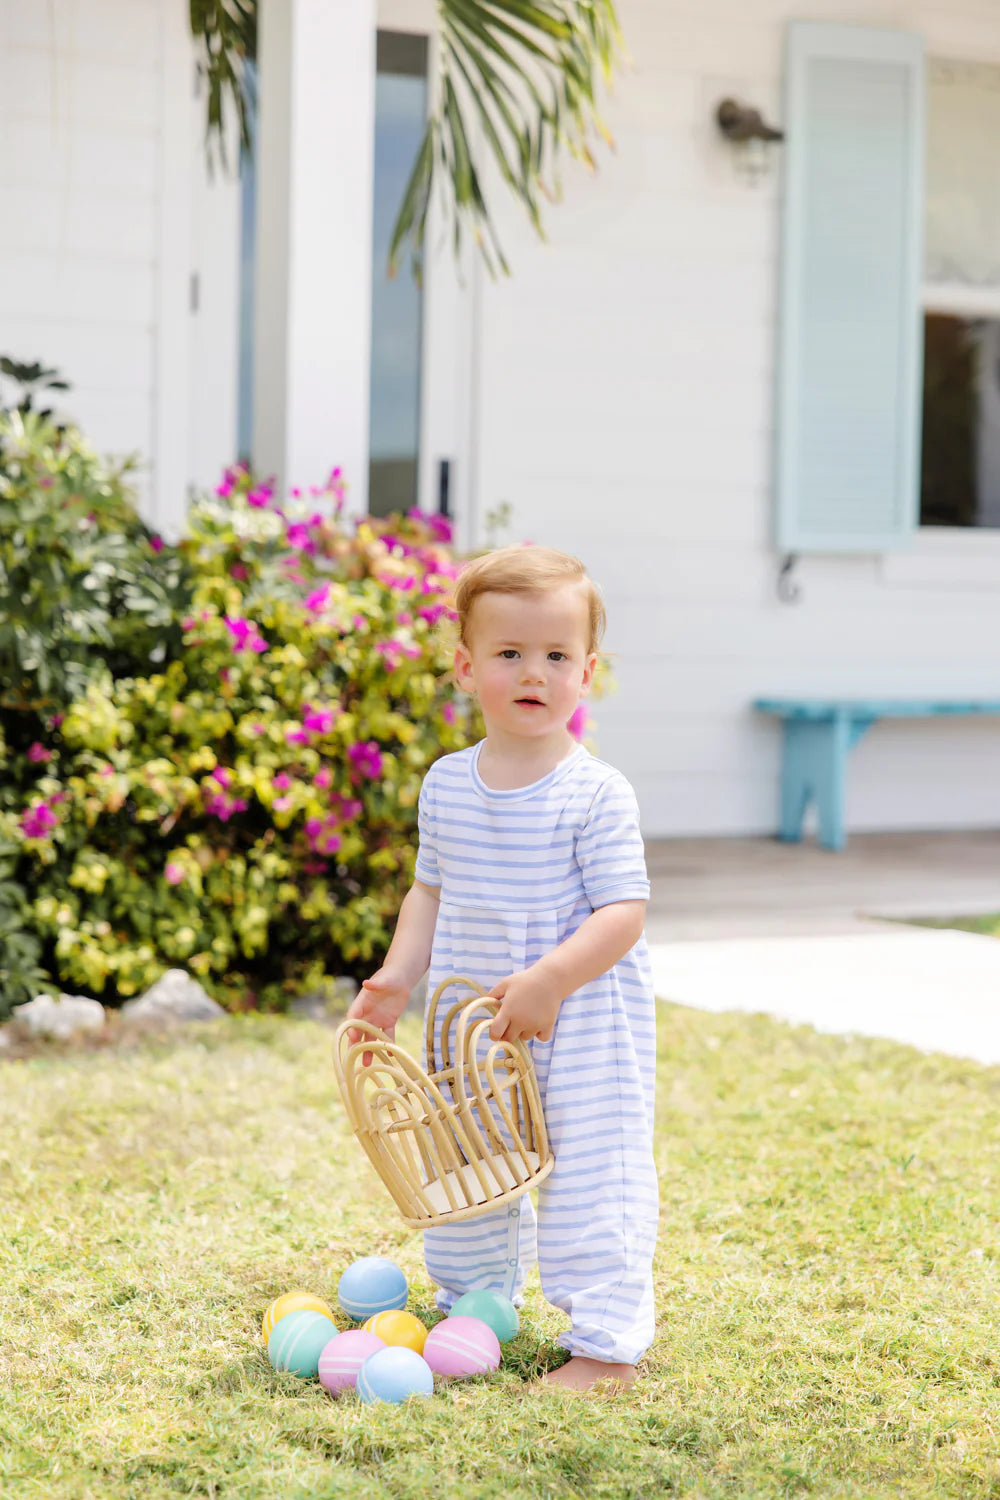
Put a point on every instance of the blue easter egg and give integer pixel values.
(394, 1374)
(297, 1340)
(372, 1285)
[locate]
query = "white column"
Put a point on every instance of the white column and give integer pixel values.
(315, 153)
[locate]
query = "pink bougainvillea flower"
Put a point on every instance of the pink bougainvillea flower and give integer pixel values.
(282, 781)
(36, 822)
(366, 758)
(240, 572)
(299, 537)
(56, 720)
(295, 493)
(329, 843)
(222, 776)
(156, 542)
(577, 725)
(404, 617)
(225, 489)
(313, 828)
(431, 613)
(318, 599)
(258, 728)
(283, 804)
(38, 754)
(260, 496)
(174, 873)
(448, 713)
(359, 622)
(323, 778)
(390, 652)
(319, 720)
(246, 636)
(222, 806)
(296, 736)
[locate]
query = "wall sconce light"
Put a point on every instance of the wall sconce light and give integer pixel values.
(750, 135)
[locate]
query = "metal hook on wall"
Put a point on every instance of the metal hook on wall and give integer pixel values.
(789, 592)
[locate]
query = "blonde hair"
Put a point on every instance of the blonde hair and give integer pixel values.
(526, 570)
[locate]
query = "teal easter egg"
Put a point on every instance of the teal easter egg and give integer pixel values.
(491, 1308)
(297, 1340)
(394, 1374)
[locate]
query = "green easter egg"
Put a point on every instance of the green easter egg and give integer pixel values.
(297, 1340)
(492, 1308)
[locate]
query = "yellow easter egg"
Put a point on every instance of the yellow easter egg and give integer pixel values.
(400, 1328)
(295, 1302)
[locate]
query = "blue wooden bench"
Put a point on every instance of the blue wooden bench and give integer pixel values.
(818, 736)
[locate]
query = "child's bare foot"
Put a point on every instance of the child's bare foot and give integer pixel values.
(582, 1374)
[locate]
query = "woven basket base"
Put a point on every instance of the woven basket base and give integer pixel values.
(511, 1173)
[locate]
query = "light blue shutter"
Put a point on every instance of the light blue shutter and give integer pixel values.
(851, 329)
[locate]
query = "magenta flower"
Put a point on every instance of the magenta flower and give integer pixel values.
(448, 713)
(329, 843)
(298, 537)
(296, 737)
(156, 542)
(56, 720)
(260, 496)
(283, 804)
(222, 776)
(258, 728)
(282, 781)
(404, 617)
(174, 873)
(323, 778)
(317, 600)
(390, 652)
(366, 758)
(222, 806)
(36, 822)
(240, 572)
(431, 613)
(246, 636)
(38, 755)
(313, 828)
(319, 720)
(359, 622)
(577, 725)
(225, 489)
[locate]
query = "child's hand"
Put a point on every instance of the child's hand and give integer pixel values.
(381, 1000)
(530, 1007)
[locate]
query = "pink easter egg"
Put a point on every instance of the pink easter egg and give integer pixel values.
(343, 1357)
(462, 1346)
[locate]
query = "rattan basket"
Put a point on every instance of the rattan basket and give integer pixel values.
(459, 1139)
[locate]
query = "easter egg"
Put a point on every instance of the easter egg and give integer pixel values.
(294, 1302)
(297, 1340)
(462, 1346)
(492, 1308)
(372, 1285)
(394, 1374)
(343, 1357)
(400, 1329)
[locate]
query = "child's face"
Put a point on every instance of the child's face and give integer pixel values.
(527, 659)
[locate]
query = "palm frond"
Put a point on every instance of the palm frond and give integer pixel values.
(226, 34)
(517, 82)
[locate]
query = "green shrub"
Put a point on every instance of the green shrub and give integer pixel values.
(247, 811)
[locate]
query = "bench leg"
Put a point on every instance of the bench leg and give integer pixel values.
(814, 764)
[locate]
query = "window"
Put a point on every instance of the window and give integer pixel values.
(397, 304)
(960, 478)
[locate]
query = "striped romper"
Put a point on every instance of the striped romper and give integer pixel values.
(518, 872)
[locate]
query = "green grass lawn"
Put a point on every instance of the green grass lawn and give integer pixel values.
(828, 1273)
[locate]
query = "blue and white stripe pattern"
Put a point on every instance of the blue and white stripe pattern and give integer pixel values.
(519, 872)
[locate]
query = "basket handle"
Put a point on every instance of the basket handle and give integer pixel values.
(433, 1065)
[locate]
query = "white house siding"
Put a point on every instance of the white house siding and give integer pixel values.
(98, 141)
(626, 413)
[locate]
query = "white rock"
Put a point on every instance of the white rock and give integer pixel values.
(174, 998)
(62, 1018)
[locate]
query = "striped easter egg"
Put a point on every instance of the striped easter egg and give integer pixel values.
(372, 1285)
(394, 1375)
(462, 1346)
(398, 1328)
(297, 1341)
(297, 1301)
(343, 1357)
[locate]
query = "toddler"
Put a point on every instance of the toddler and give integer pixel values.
(531, 878)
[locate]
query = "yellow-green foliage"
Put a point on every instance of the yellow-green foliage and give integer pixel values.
(248, 812)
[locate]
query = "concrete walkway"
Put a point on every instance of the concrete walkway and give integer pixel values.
(801, 935)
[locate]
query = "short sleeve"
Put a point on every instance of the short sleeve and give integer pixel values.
(427, 860)
(609, 850)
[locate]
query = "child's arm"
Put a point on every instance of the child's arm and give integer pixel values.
(531, 999)
(383, 997)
